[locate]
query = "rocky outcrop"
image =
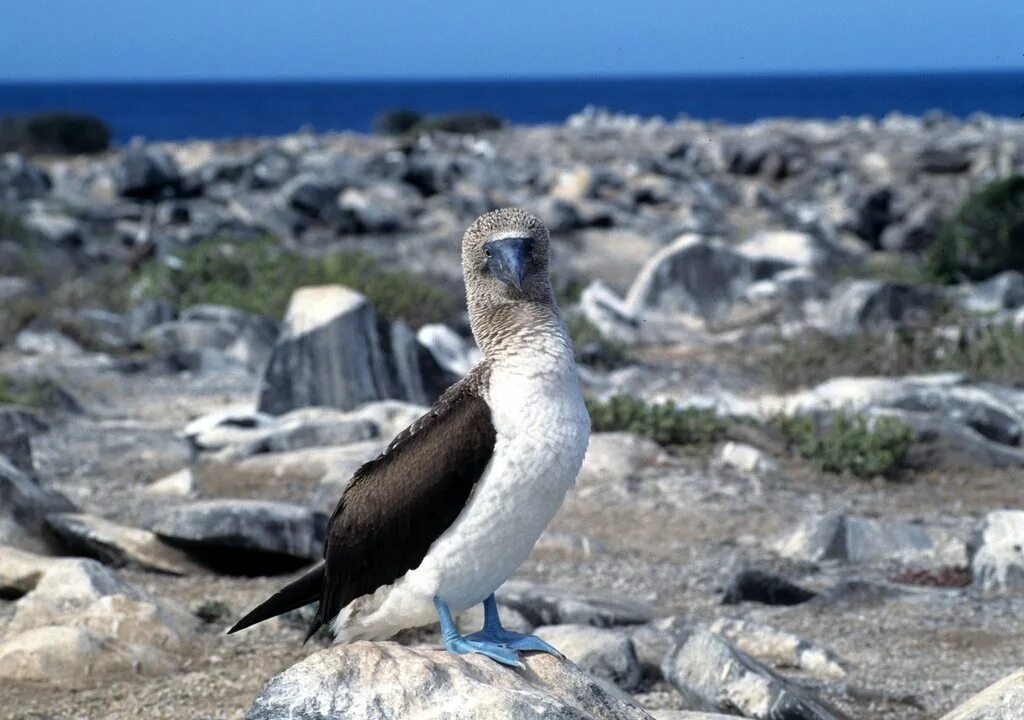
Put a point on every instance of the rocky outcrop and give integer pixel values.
(546, 605)
(335, 352)
(855, 539)
(374, 681)
(24, 506)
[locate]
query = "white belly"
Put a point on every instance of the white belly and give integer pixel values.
(542, 431)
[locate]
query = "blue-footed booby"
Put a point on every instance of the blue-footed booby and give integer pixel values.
(456, 502)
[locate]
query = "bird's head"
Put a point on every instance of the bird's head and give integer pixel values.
(505, 258)
(505, 265)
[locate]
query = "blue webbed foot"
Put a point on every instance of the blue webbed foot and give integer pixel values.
(456, 643)
(494, 633)
(514, 640)
(495, 651)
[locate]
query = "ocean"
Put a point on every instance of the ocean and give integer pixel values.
(174, 111)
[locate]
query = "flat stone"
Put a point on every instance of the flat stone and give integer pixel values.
(20, 571)
(229, 532)
(378, 681)
(119, 545)
(546, 605)
(604, 653)
(179, 484)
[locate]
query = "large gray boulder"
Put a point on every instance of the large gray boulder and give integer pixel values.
(146, 174)
(212, 337)
(241, 536)
(1002, 700)
(715, 677)
(834, 536)
(378, 681)
(334, 351)
(997, 552)
(24, 506)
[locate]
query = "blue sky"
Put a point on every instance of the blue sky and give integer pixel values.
(227, 39)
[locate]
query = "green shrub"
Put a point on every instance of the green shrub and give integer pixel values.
(409, 122)
(849, 443)
(260, 276)
(396, 122)
(984, 237)
(53, 133)
(593, 348)
(664, 423)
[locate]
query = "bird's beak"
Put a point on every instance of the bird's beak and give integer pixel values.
(509, 259)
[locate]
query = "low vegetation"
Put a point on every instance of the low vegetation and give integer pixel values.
(984, 237)
(409, 122)
(593, 348)
(664, 423)
(849, 444)
(53, 134)
(35, 393)
(993, 354)
(259, 277)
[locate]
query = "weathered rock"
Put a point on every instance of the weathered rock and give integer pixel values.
(46, 342)
(374, 681)
(335, 352)
(780, 649)
(744, 458)
(454, 353)
(997, 552)
(146, 174)
(614, 457)
(606, 654)
(24, 506)
(875, 305)
(713, 676)
(688, 715)
(118, 545)
(242, 536)
(653, 641)
(698, 277)
(1002, 700)
(211, 337)
(179, 484)
(545, 605)
(759, 586)
(17, 425)
(56, 229)
(20, 571)
(854, 539)
(1004, 291)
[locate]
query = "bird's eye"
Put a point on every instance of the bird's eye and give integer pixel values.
(487, 253)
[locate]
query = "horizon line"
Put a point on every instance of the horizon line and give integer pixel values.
(396, 79)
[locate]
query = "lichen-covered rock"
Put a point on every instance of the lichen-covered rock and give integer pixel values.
(378, 681)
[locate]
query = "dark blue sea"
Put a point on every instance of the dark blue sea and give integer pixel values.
(168, 111)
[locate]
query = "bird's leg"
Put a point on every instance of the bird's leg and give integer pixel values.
(459, 645)
(493, 632)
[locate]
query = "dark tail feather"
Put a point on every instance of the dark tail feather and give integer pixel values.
(294, 595)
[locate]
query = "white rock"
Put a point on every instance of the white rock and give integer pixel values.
(179, 484)
(997, 562)
(452, 351)
(779, 648)
(745, 458)
(383, 681)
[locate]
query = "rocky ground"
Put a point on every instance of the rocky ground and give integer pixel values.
(168, 457)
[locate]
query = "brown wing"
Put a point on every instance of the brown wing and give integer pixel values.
(398, 504)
